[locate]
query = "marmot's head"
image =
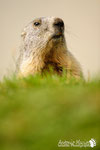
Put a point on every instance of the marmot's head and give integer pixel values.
(42, 32)
(43, 44)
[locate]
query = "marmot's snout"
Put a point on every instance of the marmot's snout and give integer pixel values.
(58, 25)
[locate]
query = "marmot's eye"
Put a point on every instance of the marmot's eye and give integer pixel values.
(36, 23)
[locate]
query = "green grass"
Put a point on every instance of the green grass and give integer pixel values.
(37, 112)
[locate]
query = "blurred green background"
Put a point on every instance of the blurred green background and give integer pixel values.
(37, 112)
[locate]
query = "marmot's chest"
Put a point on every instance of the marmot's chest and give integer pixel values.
(53, 67)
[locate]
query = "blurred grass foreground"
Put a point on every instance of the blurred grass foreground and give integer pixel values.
(40, 113)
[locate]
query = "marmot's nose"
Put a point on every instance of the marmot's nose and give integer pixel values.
(59, 24)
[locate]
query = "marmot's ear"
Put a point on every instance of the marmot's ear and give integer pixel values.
(23, 34)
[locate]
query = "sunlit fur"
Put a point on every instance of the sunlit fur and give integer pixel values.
(39, 49)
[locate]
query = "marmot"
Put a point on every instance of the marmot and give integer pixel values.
(43, 45)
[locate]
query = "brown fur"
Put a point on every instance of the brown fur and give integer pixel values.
(39, 51)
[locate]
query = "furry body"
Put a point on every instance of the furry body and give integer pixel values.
(43, 45)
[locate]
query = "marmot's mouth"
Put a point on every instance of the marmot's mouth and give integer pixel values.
(57, 36)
